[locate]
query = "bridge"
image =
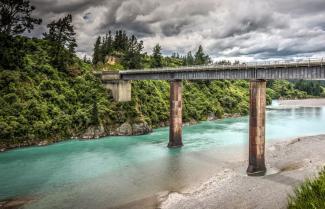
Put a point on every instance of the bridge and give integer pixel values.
(257, 73)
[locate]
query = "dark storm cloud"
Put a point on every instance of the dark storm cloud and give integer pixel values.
(247, 29)
(67, 6)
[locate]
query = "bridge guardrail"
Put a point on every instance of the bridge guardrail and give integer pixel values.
(275, 63)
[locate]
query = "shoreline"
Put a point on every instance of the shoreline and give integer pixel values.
(314, 102)
(97, 132)
(289, 163)
(43, 143)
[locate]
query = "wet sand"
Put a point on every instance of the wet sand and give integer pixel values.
(303, 102)
(288, 162)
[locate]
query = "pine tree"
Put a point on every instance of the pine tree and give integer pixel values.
(15, 17)
(133, 56)
(108, 45)
(97, 52)
(199, 56)
(189, 59)
(62, 38)
(156, 57)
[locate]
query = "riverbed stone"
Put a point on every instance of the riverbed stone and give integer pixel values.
(125, 129)
(141, 128)
(94, 132)
(193, 122)
(43, 143)
(211, 117)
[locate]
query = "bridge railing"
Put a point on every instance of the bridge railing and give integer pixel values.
(275, 63)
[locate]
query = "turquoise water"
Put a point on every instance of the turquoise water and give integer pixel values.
(116, 170)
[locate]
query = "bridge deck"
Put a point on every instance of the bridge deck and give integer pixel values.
(308, 70)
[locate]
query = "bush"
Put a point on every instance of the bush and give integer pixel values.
(310, 195)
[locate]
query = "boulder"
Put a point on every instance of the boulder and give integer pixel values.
(93, 132)
(193, 122)
(227, 115)
(141, 128)
(43, 143)
(124, 130)
(211, 117)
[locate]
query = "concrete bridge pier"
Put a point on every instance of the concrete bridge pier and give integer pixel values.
(257, 128)
(175, 127)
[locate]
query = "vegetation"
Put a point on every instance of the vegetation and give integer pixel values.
(16, 17)
(310, 194)
(61, 37)
(156, 57)
(127, 50)
(42, 100)
(280, 89)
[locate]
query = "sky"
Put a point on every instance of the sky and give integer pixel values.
(245, 30)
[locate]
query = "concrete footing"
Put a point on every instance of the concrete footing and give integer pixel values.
(175, 128)
(257, 128)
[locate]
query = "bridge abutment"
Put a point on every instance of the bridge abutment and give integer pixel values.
(175, 127)
(257, 128)
(121, 90)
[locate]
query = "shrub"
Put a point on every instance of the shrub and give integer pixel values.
(310, 195)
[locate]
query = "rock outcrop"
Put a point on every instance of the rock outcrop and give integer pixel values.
(94, 132)
(43, 143)
(141, 128)
(126, 129)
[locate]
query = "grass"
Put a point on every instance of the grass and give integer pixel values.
(310, 195)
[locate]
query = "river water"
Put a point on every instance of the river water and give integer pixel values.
(114, 171)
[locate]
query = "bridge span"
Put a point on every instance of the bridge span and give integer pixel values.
(257, 73)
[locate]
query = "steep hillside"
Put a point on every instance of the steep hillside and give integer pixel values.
(39, 102)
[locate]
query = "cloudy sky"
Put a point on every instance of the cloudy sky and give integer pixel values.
(233, 29)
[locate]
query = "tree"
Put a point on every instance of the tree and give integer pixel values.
(156, 57)
(107, 46)
(189, 58)
(201, 58)
(15, 17)
(86, 59)
(133, 56)
(62, 37)
(97, 51)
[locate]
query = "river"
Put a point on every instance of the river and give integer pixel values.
(114, 171)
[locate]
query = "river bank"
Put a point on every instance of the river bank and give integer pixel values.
(288, 162)
(302, 102)
(97, 132)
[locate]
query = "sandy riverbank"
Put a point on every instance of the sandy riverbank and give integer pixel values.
(303, 102)
(289, 163)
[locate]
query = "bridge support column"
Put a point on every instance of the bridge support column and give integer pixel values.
(257, 128)
(175, 127)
